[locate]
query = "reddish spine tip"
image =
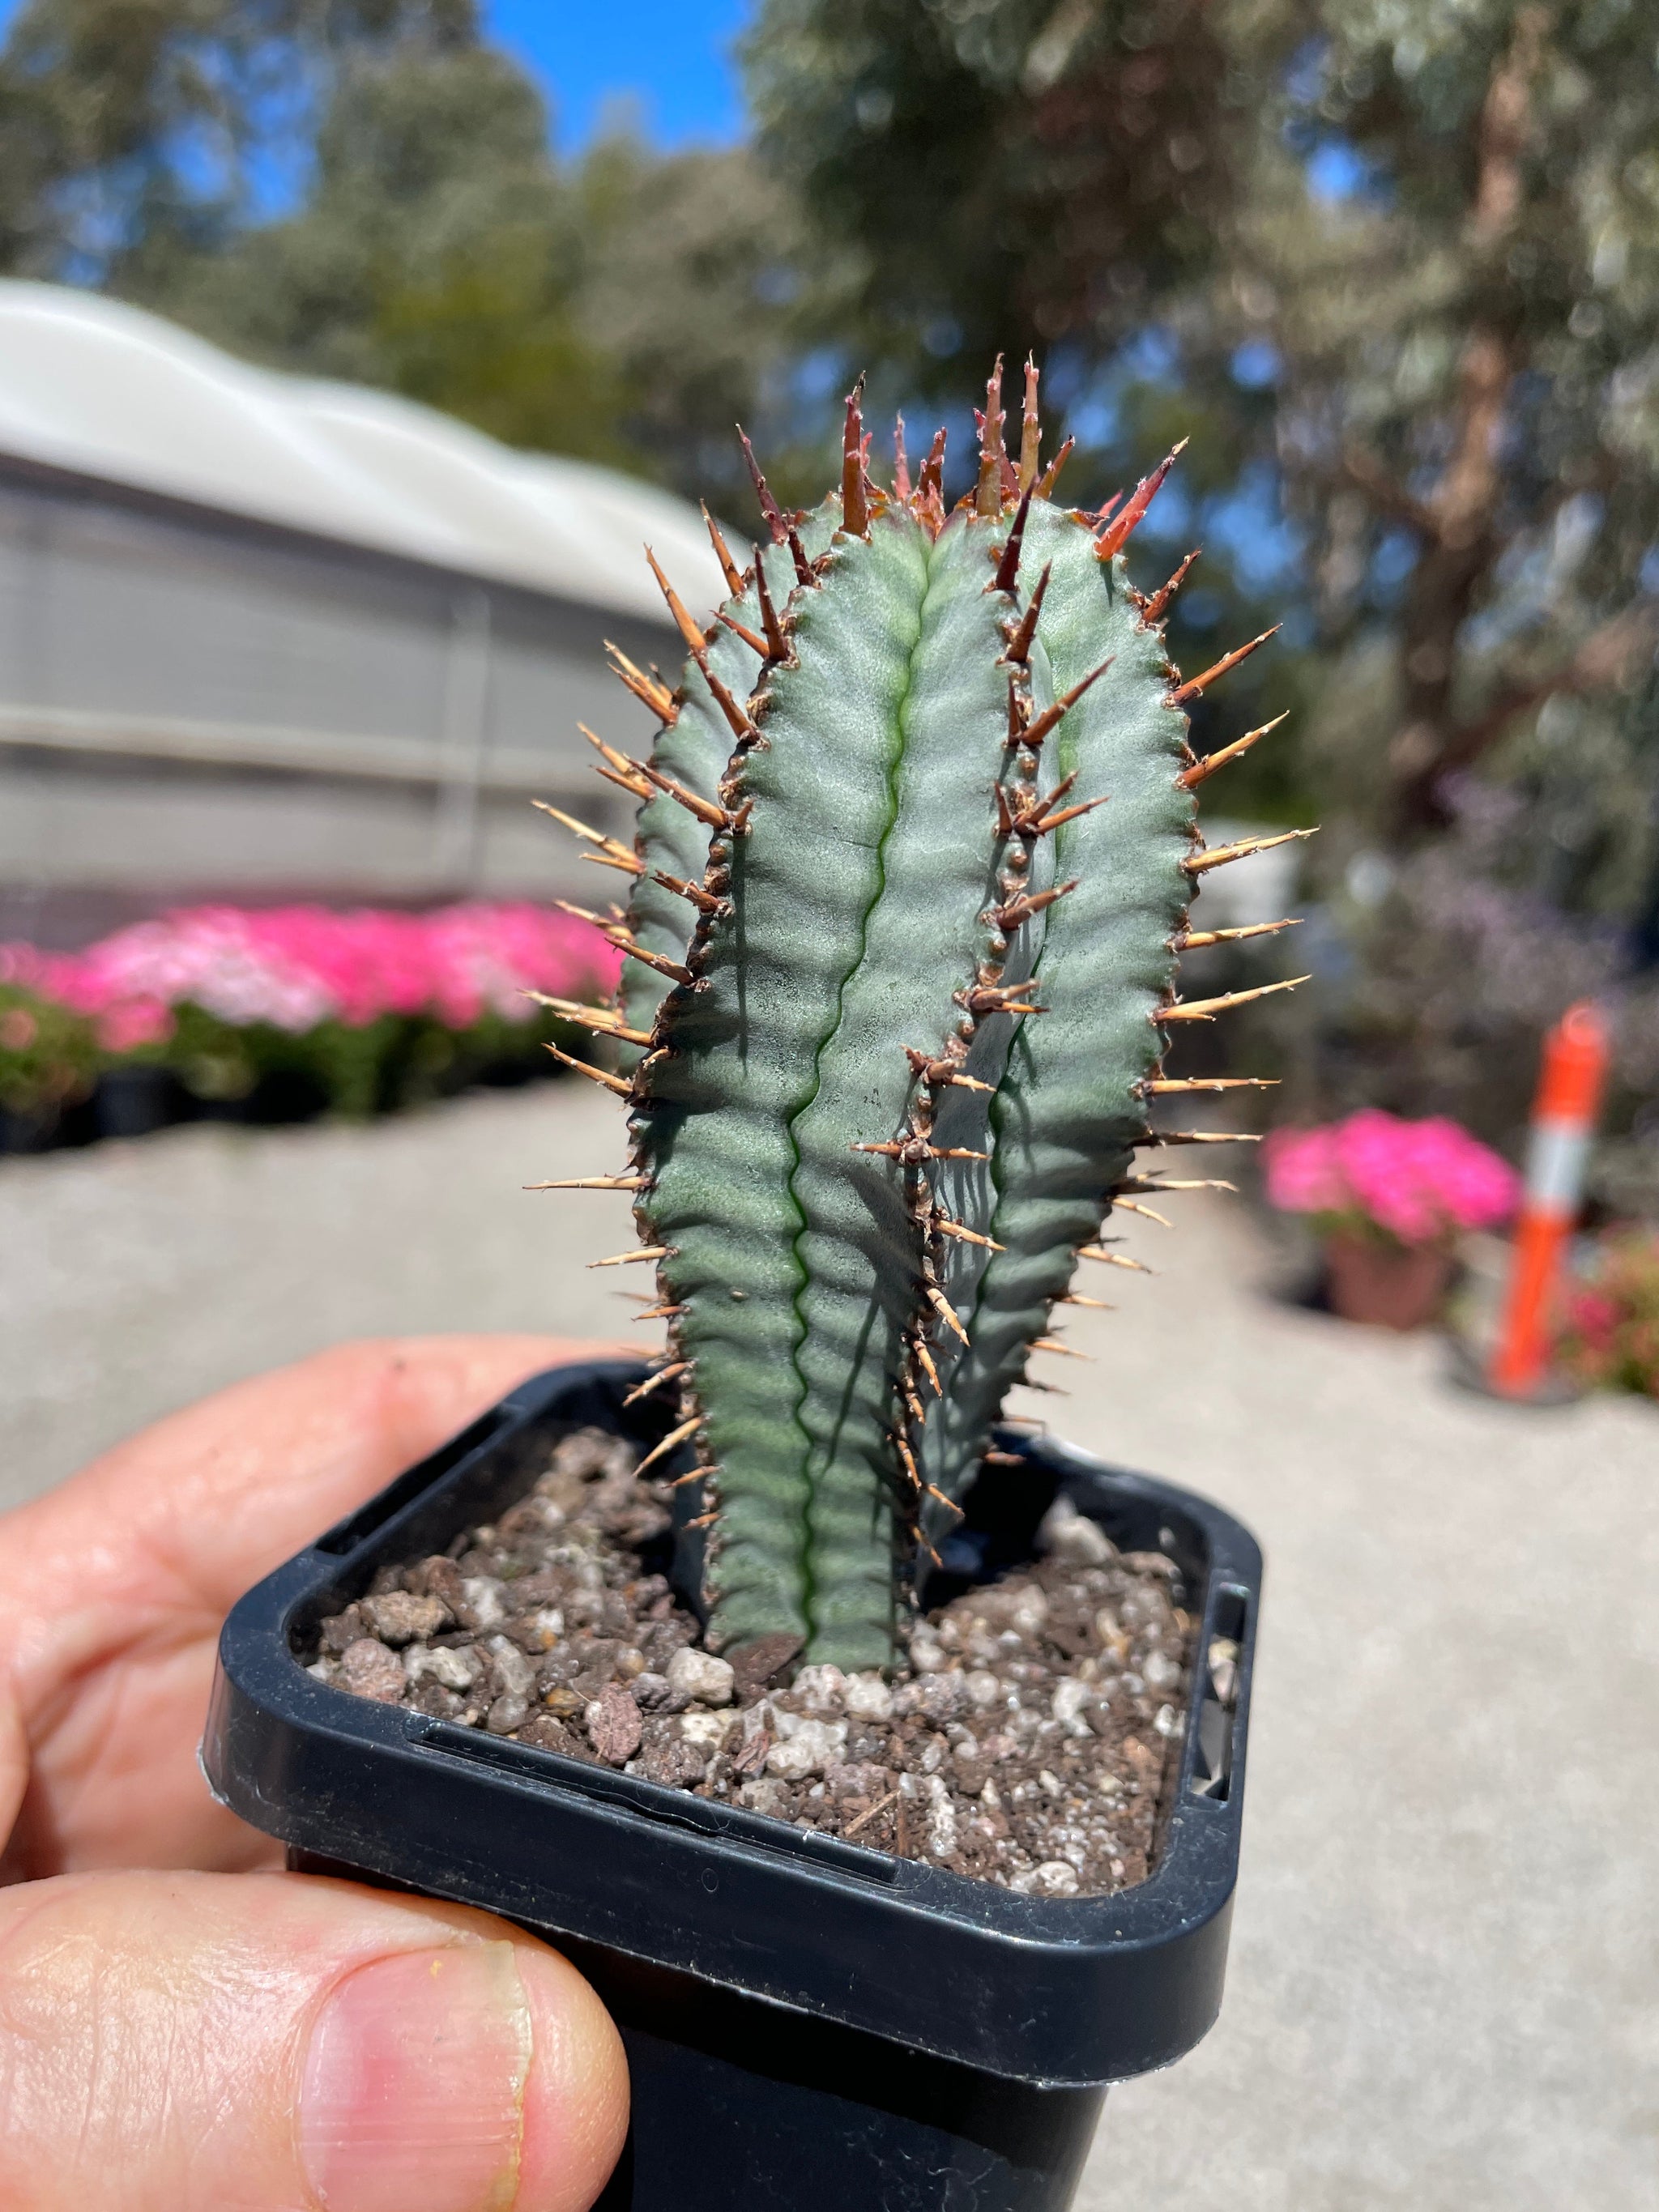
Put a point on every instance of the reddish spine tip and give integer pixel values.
(1019, 645)
(729, 569)
(1008, 573)
(992, 458)
(1157, 604)
(1051, 476)
(1192, 688)
(854, 509)
(1117, 535)
(1030, 427)
(768, 506)
(777, 643)
(695, 640)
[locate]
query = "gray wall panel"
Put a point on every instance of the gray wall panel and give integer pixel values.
(187, 835)
(175, 687)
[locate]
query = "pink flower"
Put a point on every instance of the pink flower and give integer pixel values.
(135, 1022)
(1594, 1315)
(296, 967)
(1610, 1329)
(1418, 1181)
(1303, 1173)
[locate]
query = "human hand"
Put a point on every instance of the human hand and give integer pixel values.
(183, 2028)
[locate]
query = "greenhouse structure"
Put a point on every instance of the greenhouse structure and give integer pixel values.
(264, 637)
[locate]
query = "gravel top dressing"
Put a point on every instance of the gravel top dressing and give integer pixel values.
(1023, 1739)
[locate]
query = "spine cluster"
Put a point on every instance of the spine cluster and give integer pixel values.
(932, 1276)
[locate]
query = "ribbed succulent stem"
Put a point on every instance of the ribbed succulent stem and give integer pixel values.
(915, 849)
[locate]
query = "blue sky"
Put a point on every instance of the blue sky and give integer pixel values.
(672, 59)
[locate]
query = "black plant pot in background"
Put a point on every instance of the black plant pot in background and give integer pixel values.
(136, 1102)
(811, 2026)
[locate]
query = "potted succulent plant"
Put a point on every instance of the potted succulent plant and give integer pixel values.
(879, 1759)
(1389, 1198)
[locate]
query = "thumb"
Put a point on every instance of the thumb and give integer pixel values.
(195, 2043)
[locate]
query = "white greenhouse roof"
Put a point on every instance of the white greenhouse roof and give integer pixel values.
(113, 393)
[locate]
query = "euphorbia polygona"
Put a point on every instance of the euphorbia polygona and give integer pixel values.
(912, 873)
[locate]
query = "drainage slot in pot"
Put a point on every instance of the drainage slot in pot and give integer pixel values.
(1212, 1769)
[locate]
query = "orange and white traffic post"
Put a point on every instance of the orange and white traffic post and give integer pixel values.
(1564, 1114)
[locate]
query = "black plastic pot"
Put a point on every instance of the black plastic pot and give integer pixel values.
(136, 1102)
(810, 2024)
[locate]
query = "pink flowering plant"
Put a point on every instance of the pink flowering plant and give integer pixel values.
(374, 1008)
(1412, 1184)
(1610, 1329)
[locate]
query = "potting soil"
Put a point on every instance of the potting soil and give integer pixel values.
(1024, 1737)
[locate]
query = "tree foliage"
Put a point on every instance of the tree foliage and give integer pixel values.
(1406, 308)
(1426, 232)
(1015, 173)
(365, 189)
(1391, 266)
(132, 129)
(1470, 337)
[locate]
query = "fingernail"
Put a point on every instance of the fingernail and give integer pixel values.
(412, 2097)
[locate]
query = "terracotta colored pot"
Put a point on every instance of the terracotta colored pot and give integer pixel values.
(1390, 1286)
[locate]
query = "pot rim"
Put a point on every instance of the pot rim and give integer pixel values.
(1056, 1990)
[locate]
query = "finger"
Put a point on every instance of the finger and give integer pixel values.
(182, 2042)
(214, 1497)
(112, 1586)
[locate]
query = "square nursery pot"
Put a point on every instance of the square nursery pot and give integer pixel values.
(809, 2023)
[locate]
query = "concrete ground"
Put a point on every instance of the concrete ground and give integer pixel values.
(1443, 1993)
